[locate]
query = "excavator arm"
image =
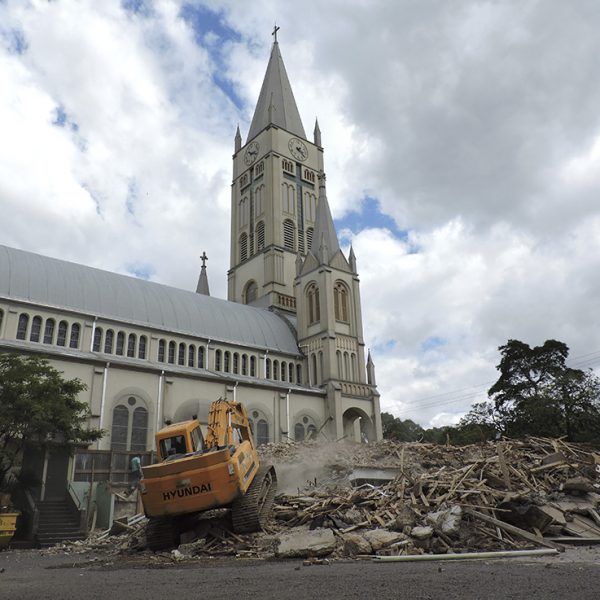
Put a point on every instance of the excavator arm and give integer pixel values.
(228, 424)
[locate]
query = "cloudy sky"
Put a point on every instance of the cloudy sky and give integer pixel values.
(462, 146)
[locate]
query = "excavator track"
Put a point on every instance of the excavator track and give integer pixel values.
(162, 534)
(250, 512)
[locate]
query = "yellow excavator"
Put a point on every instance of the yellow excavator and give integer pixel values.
(196, 474)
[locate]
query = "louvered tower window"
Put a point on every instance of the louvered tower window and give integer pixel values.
(243, 246)
(288, 235)
(260, 236)
(309, 237)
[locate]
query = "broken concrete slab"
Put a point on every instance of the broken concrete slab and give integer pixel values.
(302, 544)
(421, 533)
(355, 544)
(381, 538)
(447, 521)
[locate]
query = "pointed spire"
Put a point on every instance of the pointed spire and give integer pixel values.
(370, 371)
(202, 287)
(238, 139)
(317, 134)
(324, 233)
(276, 104)
(352, 260)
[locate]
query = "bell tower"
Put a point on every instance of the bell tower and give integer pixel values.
(274, 195)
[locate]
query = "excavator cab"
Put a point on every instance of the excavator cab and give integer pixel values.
(180, 439)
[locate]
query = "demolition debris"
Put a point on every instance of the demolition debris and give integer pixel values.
(391, 499)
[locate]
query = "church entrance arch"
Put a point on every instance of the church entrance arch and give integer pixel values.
(358, 426)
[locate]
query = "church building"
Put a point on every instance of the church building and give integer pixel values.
(288, 342)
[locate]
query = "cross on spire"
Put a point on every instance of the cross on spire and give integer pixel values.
(275, 30)
(204, 258)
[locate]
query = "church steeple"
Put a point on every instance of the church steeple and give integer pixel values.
(324, 236)
(202, 287)
(276, 104)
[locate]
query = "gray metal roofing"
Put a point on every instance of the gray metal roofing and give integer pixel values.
(60, 284)
(276, 91)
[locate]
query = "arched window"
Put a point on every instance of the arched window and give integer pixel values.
(75, 331)
(276, 370)
(172, 346)
(191, 356)
(315, 376)
(250, 292)
(97, 339)
(129, 426)
(321, 376)
(226, 361)
(268, 368)
(260, 427)
(253, 366)
(291, 373)
(181, 354)
(201, 357)
(353, 367)
(236, 363)
(22, 326)
(161, 350)
(1, 318)
(340, 302)
(299, 374)
(108, 341)
(298, 432)
(217, 360)
(120, 426)
(243, 246)
(260, 236)
(49, 331)
(36, 326)
(346, 366)
(142, 347)
(61, 338)
(244, 364)
(340, 366)
(289, 235)
(311, 431)
(314, 304)
(131, 345)
(283, 370)
(120, 343)
(139, 429)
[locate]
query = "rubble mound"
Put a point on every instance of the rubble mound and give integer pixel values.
(508, 495)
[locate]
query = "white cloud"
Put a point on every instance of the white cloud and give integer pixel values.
(475, 125)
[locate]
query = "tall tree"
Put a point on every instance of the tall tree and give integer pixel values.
(38, 406)
(537, 394)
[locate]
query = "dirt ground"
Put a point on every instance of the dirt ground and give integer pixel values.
(31, 574)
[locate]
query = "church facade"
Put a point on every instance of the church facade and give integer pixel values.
(288, 342)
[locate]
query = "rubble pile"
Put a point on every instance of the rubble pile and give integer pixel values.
(509, 495)
(497, 496)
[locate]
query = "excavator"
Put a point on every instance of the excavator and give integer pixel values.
(196, 474)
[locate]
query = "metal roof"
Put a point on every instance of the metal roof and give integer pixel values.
(276, 103)
(56, 283)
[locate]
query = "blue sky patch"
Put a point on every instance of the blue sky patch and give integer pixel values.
(14, 41)
(432, 343)
(212, 32)
(384, 347)
(60, 117)
(132, 194)
(138, 7)
(141, 270)
(369, 216)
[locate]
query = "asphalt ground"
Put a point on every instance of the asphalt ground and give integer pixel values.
(29, 574)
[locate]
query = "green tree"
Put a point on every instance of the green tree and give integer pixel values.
(397, 429)
(38, 406)
(537, 394)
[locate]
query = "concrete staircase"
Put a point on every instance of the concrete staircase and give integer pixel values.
(57, 523)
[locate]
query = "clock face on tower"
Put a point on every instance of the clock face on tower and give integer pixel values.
(251, 153)
(298, 149)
